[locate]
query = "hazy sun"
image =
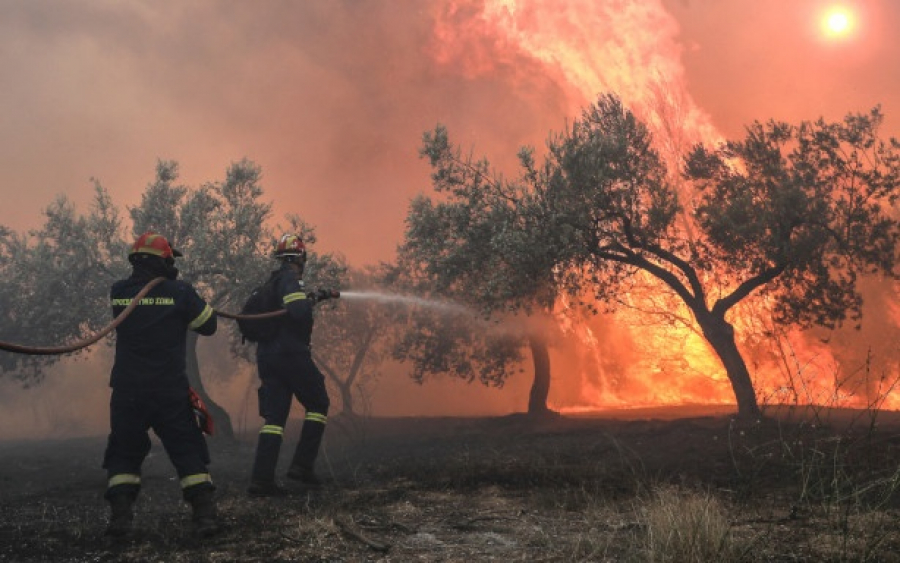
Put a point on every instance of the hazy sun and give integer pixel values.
(838, 22)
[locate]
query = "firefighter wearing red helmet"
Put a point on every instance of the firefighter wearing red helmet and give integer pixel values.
(287, 370)
(150, 386)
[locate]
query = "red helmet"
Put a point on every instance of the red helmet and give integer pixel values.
(154, 244)
(290, 245)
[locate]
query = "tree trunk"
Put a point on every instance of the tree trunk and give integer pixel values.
(540, 388)
(220, 418)
(720, 335)
(345, 388)
(346, 399)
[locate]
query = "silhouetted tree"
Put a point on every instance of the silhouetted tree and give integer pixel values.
(795, 213)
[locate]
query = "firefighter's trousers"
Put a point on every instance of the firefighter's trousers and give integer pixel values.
(169, 413)
(284, 377)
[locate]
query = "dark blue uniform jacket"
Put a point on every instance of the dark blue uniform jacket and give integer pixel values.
(151, 341)
(296, 327)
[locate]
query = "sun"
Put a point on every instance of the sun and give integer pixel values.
(838, 22)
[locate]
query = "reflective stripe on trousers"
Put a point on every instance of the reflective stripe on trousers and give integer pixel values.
(196, 479)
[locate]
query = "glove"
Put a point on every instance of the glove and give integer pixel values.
(323, 294)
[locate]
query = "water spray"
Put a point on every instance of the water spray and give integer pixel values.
(382, 297)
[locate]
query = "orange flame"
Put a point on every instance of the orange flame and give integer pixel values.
(630, 48)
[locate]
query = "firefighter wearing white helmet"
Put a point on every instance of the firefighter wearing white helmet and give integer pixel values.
(287, 370)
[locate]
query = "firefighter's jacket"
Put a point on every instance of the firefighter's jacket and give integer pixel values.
(151, 342)
(295, 333)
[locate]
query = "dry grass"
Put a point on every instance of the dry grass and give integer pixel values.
(683, 526)
(509, 489)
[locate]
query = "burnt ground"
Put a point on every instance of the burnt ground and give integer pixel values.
(796, 486)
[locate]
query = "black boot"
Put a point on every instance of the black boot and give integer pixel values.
(262, 480)
(121, 514)
(305, 455)
(305, 475)
(206, 518)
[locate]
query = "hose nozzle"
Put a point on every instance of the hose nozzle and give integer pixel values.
(323, 294)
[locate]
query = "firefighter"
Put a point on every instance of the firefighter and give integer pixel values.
(286, 370)
(150, 386)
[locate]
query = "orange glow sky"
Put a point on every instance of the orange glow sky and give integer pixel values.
(331, 98)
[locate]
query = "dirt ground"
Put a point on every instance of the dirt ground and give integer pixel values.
(796, 486)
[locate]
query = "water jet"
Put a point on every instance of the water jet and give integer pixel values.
(383, 297)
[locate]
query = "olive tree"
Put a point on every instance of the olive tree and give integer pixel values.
(221, 229)
(477, 243)
(794, 213)
(54, 281)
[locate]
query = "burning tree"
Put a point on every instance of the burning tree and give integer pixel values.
(792, 213)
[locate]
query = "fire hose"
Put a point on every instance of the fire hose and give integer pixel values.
(53, 350)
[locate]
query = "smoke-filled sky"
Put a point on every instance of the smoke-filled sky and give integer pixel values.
(331, 97)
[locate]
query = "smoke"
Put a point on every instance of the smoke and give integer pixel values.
(331, 99)
(73, 400)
